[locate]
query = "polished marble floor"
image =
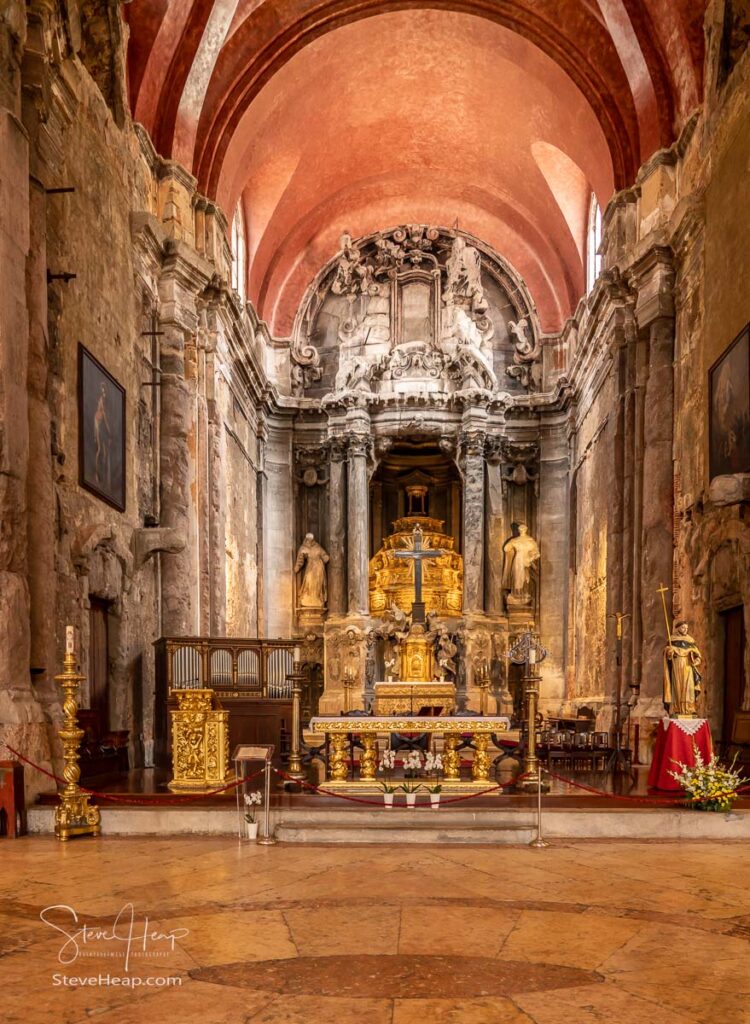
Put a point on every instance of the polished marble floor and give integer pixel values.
(581, 933)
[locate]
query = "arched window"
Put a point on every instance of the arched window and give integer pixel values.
(238, 251)
(593, 241)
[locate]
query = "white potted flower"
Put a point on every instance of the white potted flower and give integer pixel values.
(434, 763)
(412, 766)
(251, 802)
(386, 765)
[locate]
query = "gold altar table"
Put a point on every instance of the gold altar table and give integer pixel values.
(370, 729)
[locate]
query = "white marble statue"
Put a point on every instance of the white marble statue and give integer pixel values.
(463, 341)
(464, 276)
(311, 561)
(520, 554)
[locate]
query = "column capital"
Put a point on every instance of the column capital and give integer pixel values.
(337, 449)
(358, 446)
(472, 443)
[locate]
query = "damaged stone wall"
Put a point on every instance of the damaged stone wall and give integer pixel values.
(149, 299)
(640, 349)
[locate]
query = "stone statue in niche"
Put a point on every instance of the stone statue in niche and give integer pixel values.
(682, 680)
(311, 561)
(520, 554)
(463, 282)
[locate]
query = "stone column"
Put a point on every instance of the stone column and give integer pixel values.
(358, 538)
(497, 531)
(337, 602)
(203, 487)
(217, 460)
(40, 488)
(553, 525)
(278, 530)
(658, 501)
(653, 277)
(180, 570)
(472, 446)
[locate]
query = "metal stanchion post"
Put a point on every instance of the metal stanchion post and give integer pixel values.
(539, 842)
(267, 839)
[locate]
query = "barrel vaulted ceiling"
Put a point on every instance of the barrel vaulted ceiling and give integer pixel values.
(327, 115)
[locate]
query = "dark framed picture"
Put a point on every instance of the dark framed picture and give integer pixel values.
(729, 414)
(101, 431)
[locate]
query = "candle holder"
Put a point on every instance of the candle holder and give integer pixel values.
(348, 687)
(73, 815)
(296, 772)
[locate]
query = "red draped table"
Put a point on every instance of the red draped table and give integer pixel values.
(676, 740)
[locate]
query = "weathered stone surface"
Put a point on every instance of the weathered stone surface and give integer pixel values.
(729, 490)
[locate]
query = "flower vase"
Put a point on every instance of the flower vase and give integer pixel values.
(411, 799)
(388, 800)
(434, 801)
(251, 829)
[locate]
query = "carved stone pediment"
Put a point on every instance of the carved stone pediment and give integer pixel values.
(416, 310)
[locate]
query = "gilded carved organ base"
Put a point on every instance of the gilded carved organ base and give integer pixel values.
(200, 742)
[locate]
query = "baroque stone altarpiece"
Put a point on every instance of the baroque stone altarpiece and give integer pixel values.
(416, 364)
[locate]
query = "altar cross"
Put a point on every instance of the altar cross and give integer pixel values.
(417, 554)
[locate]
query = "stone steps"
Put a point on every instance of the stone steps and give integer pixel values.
(400, 833)
(455, 824)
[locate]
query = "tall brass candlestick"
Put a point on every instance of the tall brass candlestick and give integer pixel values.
(532, 769)
(296, 771)
(73, 816)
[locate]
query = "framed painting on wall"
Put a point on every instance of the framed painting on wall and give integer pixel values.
(729, 413)
(101, 431)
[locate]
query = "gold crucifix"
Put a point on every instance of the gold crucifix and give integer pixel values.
(663, 590)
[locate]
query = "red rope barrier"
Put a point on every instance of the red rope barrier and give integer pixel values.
(119, 798)
(671, 801)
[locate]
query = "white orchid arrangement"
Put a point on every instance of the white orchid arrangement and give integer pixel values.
(386, 764)
(708, 787)
(433, 764)
(251, 802)
(413, 764)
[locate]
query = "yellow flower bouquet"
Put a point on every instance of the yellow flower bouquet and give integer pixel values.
(708, 787)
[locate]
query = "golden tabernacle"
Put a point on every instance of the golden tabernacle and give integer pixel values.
(392, 578)
(411, 698)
